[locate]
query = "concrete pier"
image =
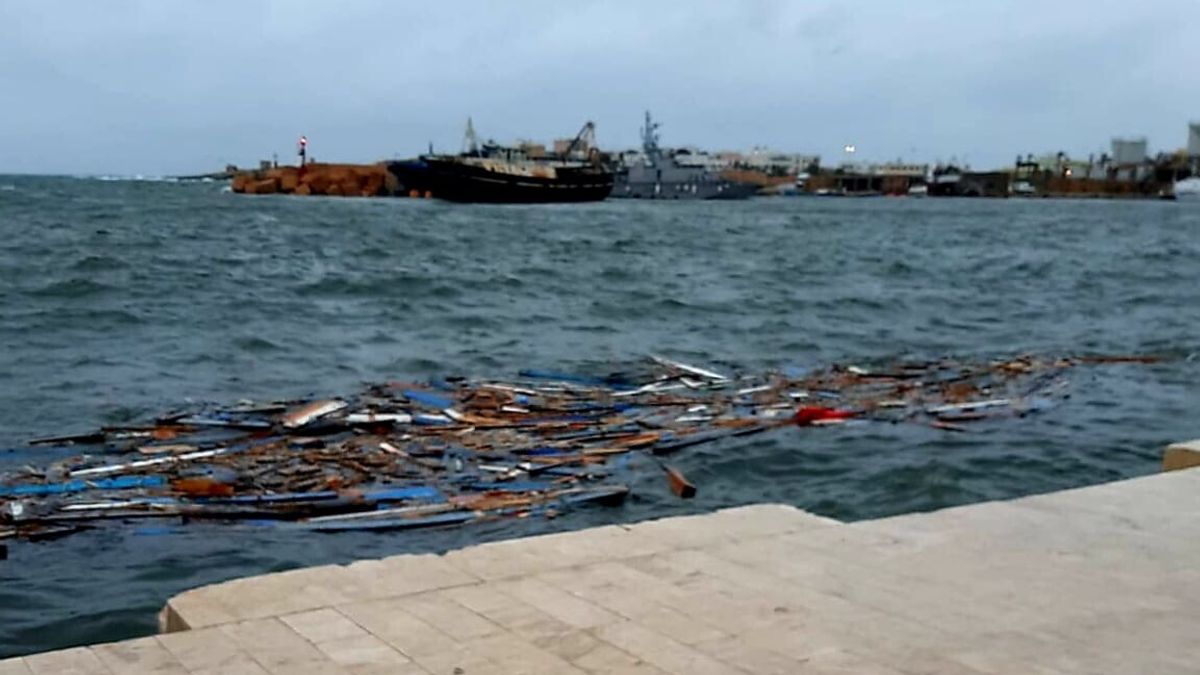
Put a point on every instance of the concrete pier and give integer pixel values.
(1104, 579)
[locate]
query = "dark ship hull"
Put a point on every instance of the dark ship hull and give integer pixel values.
(456, 180)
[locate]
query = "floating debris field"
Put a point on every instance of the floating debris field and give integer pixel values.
(401, 455)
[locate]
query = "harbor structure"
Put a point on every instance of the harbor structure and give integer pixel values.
(318, 179)
(772, 162)
(953, 181)
(1126, 170)
(857, 179)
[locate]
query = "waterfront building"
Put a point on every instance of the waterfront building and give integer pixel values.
(1129, 151)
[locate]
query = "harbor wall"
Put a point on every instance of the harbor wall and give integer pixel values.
(333, 180)
(989, 184)
(1061, 186)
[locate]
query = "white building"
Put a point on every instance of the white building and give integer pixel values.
(1128, 150)
(766, 159)
(695, 157)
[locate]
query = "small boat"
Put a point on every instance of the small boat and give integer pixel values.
(1187, 189)
(1022, 188)
(494, 173)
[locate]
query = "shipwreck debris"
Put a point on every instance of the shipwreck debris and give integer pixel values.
(453, 451)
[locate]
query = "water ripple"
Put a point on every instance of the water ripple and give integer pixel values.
(120, 299)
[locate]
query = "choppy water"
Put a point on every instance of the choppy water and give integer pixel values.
(120, 299)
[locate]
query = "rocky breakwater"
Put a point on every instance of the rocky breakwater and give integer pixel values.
(334, 180)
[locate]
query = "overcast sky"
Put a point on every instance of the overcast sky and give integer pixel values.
(166, 86)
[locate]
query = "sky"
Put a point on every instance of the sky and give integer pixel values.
(158, 87)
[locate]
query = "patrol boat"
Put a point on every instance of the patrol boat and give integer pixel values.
(658, 173)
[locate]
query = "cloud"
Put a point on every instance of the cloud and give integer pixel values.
(152, 87)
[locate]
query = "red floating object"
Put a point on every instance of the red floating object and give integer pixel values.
(811, 414)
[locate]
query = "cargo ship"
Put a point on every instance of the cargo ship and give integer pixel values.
(657, 173)
(493, 173)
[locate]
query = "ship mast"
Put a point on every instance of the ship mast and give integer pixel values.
(470, 140)
(650, 138)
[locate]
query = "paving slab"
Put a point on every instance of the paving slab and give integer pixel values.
(14, 667)
(1099, 579)
(139, 656)
(75, 661)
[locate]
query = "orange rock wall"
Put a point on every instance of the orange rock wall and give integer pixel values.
(343, 180)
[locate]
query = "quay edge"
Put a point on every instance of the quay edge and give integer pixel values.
(1095, 579)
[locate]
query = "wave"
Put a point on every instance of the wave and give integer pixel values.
(402, 285)
(71, 288)
(255, 344)
(136, 178)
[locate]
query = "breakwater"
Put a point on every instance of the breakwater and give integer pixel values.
(325, 180)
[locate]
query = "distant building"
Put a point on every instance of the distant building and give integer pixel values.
(1193, 144)
(1128, 151)
(885, 169)
(536, 150)
(561, 145)
(1103, 167)
(697, 158)
(730, 158)
(901, 169)
(774, 161)
(1079, 169)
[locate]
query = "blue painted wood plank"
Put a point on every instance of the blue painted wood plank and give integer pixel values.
(428, 399)
(79, 485)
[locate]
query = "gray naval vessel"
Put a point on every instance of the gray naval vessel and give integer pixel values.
(665, 174)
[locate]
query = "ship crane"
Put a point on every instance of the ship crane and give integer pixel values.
(585, 138)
